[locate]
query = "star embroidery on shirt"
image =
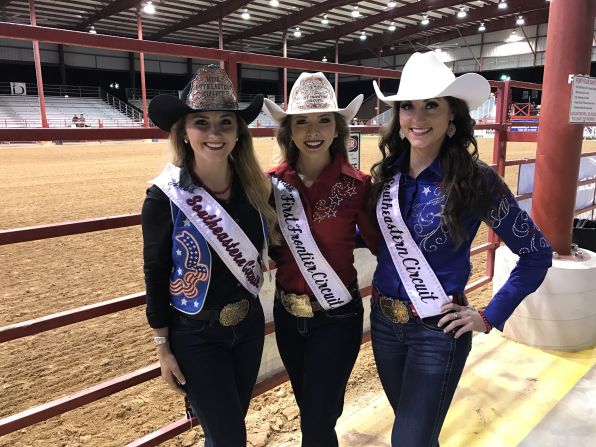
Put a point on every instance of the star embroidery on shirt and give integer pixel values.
(350, 189)
(184, 302)
(179, 252)
(186, 222)
(331, 212)
(179, 271)
(335, 199)
(196, 304)
(426, 190)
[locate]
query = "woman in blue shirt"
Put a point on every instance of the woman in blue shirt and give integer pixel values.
(431, 193)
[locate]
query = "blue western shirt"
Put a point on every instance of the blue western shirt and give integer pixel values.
(420, 202)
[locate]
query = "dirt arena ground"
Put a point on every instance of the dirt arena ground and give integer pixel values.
(50, 184)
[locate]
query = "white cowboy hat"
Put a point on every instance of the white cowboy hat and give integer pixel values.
(424, 76)
(311, 93)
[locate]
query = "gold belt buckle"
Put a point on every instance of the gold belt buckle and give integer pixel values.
(395, 310)
(233, 313)
(297, 305)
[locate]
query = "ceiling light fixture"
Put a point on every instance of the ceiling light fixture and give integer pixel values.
(274, 3)
(363, 36)
(482, 27)
(245, 15)
(391, 26)
(324, 59)
(92, 30)
(297, 33)
(513, 37)
(502, 4)
(324, 20)
(520, 21)
(462, 13)
(355, 12)
(391, 4)
(149, 8)
(425, 21)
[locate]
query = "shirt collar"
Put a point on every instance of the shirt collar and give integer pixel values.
(338, 165)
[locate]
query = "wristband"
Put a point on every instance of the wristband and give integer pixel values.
(160, 340)
(487, 325)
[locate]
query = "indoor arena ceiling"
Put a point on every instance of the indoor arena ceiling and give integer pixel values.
(390, 27)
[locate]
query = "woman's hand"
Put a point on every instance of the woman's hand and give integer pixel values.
(461, 319)
(170, 371)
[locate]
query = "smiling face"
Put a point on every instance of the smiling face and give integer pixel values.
(212, 135)
(424, 122)
(313, 133)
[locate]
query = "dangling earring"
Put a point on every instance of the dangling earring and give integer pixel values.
(451, 129)
(401, 134)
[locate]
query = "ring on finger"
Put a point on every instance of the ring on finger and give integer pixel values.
(455, 316)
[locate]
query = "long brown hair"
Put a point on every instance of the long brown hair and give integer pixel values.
(245, 164)
(468, 182)
(289, 150)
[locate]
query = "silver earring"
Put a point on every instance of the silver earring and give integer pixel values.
(185, 141)
(401, 134)
(451, 129)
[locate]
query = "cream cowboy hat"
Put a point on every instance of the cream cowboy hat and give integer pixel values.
(424, 76)
(312, 93)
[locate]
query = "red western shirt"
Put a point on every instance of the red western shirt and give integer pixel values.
(334, 205)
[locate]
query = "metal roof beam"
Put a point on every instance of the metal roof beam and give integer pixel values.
(387, 38)
(204, 16)
(110, 10)
(289, 21)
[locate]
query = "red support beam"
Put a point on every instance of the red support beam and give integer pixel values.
(142, 70)
(38, 75)
(569, 51)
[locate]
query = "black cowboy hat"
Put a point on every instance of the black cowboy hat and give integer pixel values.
(210, 90)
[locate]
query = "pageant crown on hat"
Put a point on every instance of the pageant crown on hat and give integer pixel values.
(312, 93)
(424, 76)
(210, 90)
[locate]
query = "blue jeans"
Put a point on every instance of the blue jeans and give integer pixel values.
(419, 367)
(220, 365)
(319, 354)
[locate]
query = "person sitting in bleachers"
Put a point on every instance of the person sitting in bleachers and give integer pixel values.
(75, 121)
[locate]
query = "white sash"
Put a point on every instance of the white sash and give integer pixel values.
(419, 280)
(327, 287)
(217, 227)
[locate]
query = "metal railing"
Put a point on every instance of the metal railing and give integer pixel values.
(122, 107)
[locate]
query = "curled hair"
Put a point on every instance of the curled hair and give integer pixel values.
(245, 165)
(468, 182)
(290, 151)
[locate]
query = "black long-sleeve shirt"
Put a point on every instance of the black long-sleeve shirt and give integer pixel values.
(157, 226)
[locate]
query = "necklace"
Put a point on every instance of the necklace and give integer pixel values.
(223, 191)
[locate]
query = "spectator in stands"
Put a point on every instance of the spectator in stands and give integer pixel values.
(82, 121)
(75, 121)
(320, 198)
(205, 222)
(430, 195)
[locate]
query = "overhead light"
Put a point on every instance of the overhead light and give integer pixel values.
(363, 36)
(482, 27)
(297, 32)
(438, 50)
(503, 4)
(324, 59)
(324, 20)
(462, 13)
(391, 4)
(66, 96)
(149, 8)
(504, 77)
(245, 15)
(425, 20)
(92, 30)
(355, 12)
(274, 3)
(391, 27)
(520, 21)
(513, 37)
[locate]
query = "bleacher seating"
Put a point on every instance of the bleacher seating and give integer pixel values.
(23, 111)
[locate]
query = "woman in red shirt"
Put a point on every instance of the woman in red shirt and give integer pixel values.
(320, 199)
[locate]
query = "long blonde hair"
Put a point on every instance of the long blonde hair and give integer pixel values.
(244, 162)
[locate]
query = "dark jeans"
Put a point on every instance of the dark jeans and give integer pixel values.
(419, 367)
(319, 354)
(220, 365)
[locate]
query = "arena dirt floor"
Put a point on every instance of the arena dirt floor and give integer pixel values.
(50, 184)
